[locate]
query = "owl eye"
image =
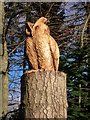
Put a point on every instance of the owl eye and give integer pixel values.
(28, 31)
(36, 27)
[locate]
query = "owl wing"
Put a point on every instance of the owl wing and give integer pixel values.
(30, 50)
(54, 52)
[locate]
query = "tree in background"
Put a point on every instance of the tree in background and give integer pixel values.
(4, 80)
(75, 62)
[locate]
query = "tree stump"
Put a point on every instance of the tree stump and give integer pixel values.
(43, 95)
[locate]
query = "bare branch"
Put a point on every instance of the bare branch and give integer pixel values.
(49, 10)
(84, 30)
(16, 47)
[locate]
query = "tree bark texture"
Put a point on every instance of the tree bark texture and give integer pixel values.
(3, 66)
(0, 60)
(43, 95)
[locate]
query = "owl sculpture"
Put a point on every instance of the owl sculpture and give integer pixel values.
(42, 48)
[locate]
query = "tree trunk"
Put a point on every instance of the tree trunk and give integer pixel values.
(43, 95)
(3, 67)
(1, 60)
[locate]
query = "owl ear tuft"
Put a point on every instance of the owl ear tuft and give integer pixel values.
(30, 25)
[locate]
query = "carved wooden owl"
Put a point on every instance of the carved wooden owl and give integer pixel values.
(46, 47)
(41, 48)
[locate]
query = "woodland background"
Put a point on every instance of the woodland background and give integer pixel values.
(66, 22)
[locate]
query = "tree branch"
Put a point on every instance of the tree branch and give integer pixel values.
(49, 10)
(16, 47)
(84, 30)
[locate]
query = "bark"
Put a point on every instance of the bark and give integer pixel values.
(43, 95)
(3, 69)
(1, 60)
